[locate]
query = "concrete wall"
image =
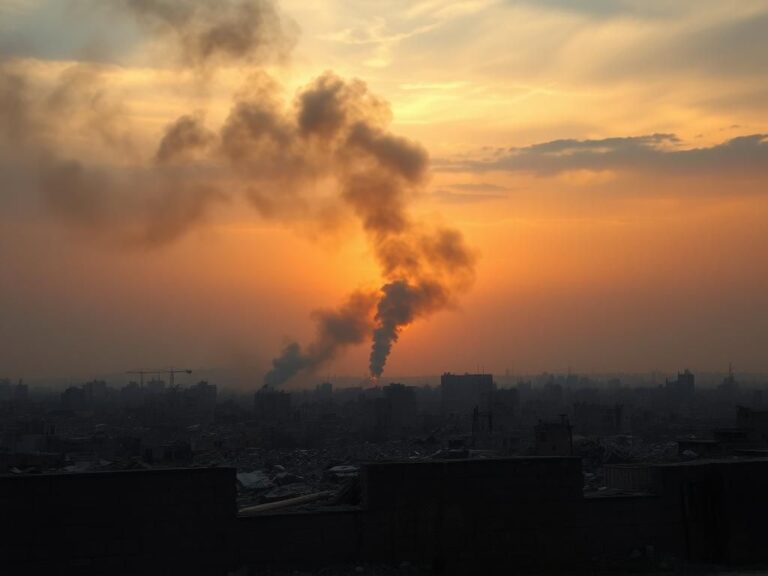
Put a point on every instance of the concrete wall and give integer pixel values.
(472, 512)
(723, 505)
(301, 539)
(460, 516)
(710, 511)
(144, 522)
(529, 513)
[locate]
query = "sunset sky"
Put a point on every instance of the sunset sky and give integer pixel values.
(605, 161)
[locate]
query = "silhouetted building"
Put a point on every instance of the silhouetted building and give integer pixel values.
(272, 406)
(74, 398)
(144, 522)
(462, 393)
(755, 422)
(400, 406)
(200, 401)
(13, 393)
(132, 395)
(683, 387)
(96, 392)
(155, 386)
(596, 419)
(324, 392)
(461, 516)
(553, 438)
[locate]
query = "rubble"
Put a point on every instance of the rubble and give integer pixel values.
(256, 480)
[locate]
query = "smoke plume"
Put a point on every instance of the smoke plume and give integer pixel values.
(204, 32)
(275, 152)
(351, 324)
(339, 130)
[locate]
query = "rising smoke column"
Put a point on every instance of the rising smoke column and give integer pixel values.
(349, 325)
(343, 129)
(276, 152)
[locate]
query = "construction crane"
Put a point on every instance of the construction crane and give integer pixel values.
(171, 372)
(141, 375)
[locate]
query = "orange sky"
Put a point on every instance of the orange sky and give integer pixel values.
(608, 165)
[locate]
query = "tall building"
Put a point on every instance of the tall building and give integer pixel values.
(462, 393)
(598, 419)
(200, 401)
(272, 406)
(96, 392)
(683, 387)
(401, 409)
(553, 438)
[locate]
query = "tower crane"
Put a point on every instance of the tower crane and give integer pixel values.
(141, 375)
(173, 372)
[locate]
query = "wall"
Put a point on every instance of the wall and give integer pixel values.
(144, 522)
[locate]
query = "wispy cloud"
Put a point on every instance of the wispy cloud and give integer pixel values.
(652, 153)
(380, 37)
(470, 193)
(384, 34)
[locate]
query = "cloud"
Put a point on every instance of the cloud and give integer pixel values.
(64, 30)
(480, 187)
(378, 38)
(592, 8)
(470, 192)
(725, 47)
(653, 153)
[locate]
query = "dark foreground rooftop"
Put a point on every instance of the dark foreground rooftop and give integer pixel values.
(457, 516)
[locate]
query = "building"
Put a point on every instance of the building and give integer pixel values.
(683, 387)
(200, 401)
(96, 392)
(272, 406)
(596, 419)
(466, 516)
(553, 438)
(462, 393)
(74, 398)
(755, 422)
(400, 409)
(324, 392)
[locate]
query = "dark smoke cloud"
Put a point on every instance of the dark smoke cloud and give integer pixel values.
(400, 304)
(351, 324)
(13, 110)
(339, 130)
(336, 133)
(81, 93)
(182, 138)
(142, 203)
(73, 194)
(324, 156)
(217, 31)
